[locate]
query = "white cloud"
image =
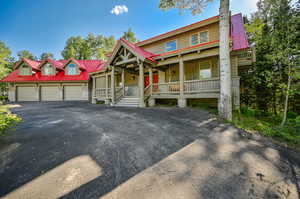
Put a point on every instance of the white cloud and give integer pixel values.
(119, 9)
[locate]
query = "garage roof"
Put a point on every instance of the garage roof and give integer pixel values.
(88, 66)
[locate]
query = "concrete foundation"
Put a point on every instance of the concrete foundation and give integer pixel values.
(151, 102)
(182, 102)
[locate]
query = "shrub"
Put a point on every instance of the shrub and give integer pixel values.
(291, 115)
(7, 120)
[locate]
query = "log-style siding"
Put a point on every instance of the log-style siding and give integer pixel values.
(183, 39)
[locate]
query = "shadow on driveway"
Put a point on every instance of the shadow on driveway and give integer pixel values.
(80, 150)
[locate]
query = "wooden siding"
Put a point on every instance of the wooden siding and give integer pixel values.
(192, 69)
(184, 39)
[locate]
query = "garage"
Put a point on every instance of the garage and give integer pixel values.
(73, 93)
(27, 93)
(51, 93)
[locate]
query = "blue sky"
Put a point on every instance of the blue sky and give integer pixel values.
(45, 25)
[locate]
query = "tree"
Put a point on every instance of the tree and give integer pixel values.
(6, 63)
(196, 7)
(45, 56)
(130, 36)
(274, 29)
(91, 47)
(26, 54)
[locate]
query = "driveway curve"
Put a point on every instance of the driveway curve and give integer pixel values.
(81, 150)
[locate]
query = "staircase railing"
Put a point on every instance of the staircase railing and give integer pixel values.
(119, 93)
(147, 92)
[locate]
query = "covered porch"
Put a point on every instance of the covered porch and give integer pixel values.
(131, 74)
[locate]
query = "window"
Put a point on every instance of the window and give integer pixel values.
(48, 69)
(205, 70)
(171, 45)
(72, 69)
(204, 37)
(194, 39)
(25, 70)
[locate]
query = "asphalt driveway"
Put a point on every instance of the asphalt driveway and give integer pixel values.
(80, 150)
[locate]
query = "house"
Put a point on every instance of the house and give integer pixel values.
(182, 64)
(51, 80)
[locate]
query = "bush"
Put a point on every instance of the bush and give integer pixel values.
(7, 120)
(298, 120)
(3, 98)
(269, 125)
(291, 115)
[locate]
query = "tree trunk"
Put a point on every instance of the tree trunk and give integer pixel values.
(225, 101)
(287, 97)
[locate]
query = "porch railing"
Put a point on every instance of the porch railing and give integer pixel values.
(119, 93)
(191, 86)
(101, 92)
(147, 92)
(166, 88)
(196, 86)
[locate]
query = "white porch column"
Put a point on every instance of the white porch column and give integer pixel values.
(123, 80)
(106, 89)
(151, 101)
(181, 99)
(94, 91)
(112, 89)
(151, 78)
(141, 84)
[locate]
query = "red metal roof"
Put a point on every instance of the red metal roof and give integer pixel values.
(146, 54)
(89, 66)
(238, 33)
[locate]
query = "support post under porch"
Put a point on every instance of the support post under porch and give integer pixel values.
(94, 91)
(141, 85)
(181, 99)
(112, 78)
(106, 89)
(123, 81)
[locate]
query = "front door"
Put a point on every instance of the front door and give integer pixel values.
(147, 80)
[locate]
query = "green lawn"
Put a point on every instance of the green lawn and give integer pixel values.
(269, 125)
(7, 119)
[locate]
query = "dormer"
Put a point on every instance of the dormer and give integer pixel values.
(48, 69)
(24, 69)
(72, 69)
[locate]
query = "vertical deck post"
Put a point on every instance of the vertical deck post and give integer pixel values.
(123, 81)
(106, 89)
(151, 101)
(181, 100)
(94, 91)
(141, 84)
(151, 79)
(112, 78)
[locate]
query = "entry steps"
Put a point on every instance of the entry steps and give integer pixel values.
(128, 102)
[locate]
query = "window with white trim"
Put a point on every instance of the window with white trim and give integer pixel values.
(25, 70)
(205, 70)
(48, 69)
(72, 69)
(203, 37)
(194, 39)
(171, 45)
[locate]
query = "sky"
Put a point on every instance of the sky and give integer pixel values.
(45, 25)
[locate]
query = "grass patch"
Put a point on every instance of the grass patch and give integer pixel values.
(7, 119)
(209, 105)
(269, 125)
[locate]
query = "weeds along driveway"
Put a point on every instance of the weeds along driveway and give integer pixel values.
(80, 150)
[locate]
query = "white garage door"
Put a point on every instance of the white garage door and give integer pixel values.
(27, 93)
(50, 93)
(73, 93)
